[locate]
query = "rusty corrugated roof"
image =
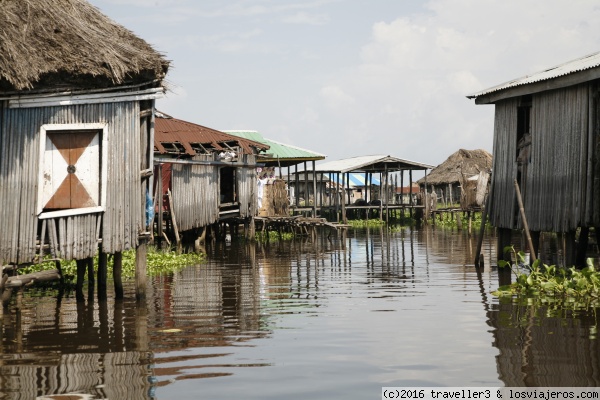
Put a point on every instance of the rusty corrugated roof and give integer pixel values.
(172, 135)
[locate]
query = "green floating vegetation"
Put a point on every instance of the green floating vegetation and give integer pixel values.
(548, 284)
(268, 236)
(158, 262)
(448, 220)
(365, 223)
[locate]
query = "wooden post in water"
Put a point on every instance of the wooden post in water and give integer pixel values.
(478, 255)
(117, 277)
(102, 272)
(81, 267)
(314, 185)
(344, 180)
(141, 253)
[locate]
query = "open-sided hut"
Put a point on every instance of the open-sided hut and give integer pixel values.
(274, 190)
(380, 166)
(77, 96)
(546, 135)
(205, 175)
(460, 177)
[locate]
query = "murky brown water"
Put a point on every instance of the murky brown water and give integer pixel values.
(297, 320)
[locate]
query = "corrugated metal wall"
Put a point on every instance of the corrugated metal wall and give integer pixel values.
(558, 190)
(19, 166)
(247, 189)
(195, 194)
(504, 170)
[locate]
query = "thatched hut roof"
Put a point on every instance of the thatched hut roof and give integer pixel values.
(463, 162)
(66, 44)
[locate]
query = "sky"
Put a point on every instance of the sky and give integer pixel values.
(348, 78)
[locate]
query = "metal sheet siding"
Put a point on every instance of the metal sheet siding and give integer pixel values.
(195, 194)
(557, 195)
(19, 172)
(504, 170)
(247, 188)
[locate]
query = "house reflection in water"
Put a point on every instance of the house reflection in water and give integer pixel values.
(531, 340)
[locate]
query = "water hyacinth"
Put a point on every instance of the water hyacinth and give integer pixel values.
(562, 287)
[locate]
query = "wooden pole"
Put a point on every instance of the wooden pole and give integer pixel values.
(81, 266)
(387, 187)
(141, 253)
(525, 226)
(160, 206)
(314, 180)
(117, 274)
(102, 272)
(173, 219)
(482, 229)
(344, 181)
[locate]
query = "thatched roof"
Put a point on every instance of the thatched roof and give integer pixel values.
(47, 44)
(465, 162)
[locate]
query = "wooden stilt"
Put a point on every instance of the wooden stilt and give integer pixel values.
(141, 253)
(582, 245)
(102, 272)
(81, 267)
(117, 274)
(91, 279)
(504, 238)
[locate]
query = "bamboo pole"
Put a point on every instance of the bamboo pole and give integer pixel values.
(525, 226)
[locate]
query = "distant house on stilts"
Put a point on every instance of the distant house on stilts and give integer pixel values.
(77, 95)
(461, 179)
(204, 176)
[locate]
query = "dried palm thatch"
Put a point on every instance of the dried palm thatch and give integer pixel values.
(463, 163)
(47, 44)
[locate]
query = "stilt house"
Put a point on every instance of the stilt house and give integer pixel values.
(546, 135)
(277, 195)
(204, 175)
(77, 96)
(462, 178)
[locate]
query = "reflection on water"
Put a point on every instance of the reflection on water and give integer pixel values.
(339, 318)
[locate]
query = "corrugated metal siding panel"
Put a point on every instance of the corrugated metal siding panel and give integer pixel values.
(75, 237)
(556, 196)
(19, 166)
(504, 171)
(247, 188)
(195, 194)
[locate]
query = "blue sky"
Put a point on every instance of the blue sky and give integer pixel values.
(355, 77)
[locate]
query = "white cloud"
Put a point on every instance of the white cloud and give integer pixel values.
(416, 70)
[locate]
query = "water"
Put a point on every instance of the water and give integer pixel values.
(337, 319)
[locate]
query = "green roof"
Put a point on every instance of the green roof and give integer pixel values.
(279, 153)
